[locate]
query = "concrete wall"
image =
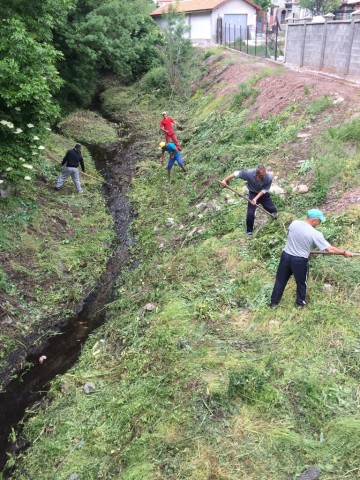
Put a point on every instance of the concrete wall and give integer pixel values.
(354, 63)
(333, 46)
(313, 41)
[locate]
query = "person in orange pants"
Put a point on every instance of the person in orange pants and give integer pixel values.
(166, 125)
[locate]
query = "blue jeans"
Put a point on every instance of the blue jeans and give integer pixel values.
(176, 158)
(291, 265)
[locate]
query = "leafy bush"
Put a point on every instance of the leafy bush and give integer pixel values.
(305, 166)
(156, 79)
(105, 37)
(246, 92)
(177, 51)
(348, 132)
(318, 106)
(261, 129)
(28, 80)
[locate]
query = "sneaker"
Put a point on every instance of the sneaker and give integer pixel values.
(249, 233)
(311, 473)
(300, 306)
(273, 305)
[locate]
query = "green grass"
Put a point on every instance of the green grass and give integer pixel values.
(211, 384)
(85, 126)
(54, 246)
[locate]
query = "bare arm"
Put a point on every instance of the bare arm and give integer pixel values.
(336, 251)
(255, 199)
(172, 155)
(229, 177)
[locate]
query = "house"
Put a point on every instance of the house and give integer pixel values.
(346, 8)
(208, 18)
(285, 11)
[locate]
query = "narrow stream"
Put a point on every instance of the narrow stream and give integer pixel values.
(117, 163)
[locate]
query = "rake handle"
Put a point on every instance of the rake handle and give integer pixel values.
(97, 179)
(315, 252)
(248, 200)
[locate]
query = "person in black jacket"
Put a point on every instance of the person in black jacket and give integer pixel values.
(71, 163)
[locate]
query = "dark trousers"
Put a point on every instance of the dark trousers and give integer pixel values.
(291, 265)
(265, 201)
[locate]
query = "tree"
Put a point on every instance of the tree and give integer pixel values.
(320, 7)
(28, 81)
(264, 4)
(117, 36)
(177, 50)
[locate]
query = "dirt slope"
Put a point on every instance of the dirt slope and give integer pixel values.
(284, 89)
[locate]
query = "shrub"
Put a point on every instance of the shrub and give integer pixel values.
(156, 79)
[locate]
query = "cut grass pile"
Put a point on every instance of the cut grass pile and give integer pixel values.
(209, 383)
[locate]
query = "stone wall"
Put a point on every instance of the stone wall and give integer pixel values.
(333, 46)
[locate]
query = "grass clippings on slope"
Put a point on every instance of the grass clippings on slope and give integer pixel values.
(211, 384)
(54, 246)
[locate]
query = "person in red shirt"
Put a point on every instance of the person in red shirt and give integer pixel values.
(166, 125)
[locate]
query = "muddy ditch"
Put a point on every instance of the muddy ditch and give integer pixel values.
(117, 163)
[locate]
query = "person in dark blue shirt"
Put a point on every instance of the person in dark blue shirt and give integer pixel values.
(258, 182)
(175, 156)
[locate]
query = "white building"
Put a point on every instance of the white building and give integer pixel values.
(286, 11)
(206, 18)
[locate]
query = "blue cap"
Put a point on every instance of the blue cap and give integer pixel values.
(315, 213)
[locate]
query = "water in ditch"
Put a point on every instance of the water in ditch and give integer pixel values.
(117, 163)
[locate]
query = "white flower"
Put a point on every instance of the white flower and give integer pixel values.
(8, 169)
(8, 124)
(1, 181)
(35, 153)
(41, 147)
(48, 129)
(36, 137)
(18, 109)
(18, 130)
(22, 159)
(26, 165)
(27, 178)
(30, 125)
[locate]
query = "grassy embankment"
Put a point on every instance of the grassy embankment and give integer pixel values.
(212, 384)
(54, 245)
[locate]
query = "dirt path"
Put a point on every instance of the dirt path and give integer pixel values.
(292, 89)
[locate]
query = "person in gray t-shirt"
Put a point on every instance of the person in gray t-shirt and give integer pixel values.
(259, 183)
(295, 256)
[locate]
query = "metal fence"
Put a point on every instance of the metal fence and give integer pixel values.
(266, 42)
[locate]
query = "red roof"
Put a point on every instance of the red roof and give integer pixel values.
(187, 6)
